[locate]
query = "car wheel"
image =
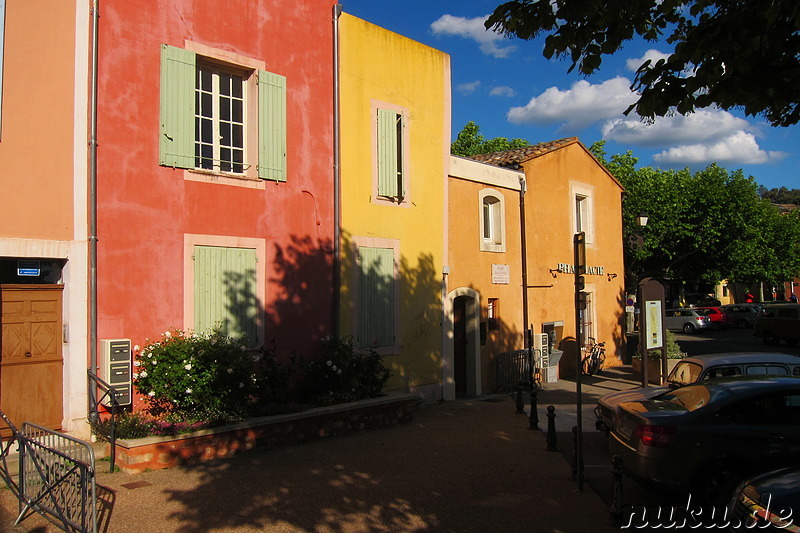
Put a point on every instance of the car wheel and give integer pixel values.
(689, 329)
(743, 324)
(769, 339)
(714, 484)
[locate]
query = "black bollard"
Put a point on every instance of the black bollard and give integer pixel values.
(534, 416)
(520, 403)
(615, 509)
(574, 459)
(552, 441)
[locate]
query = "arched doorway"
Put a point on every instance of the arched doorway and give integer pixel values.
(462, 351)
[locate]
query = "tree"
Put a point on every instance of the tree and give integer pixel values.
(470, 142)
(703, 227)
(729, 53)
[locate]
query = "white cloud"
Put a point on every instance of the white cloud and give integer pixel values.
(503, 90)
(634, 63)
(468, 88)
(577, 107)
(738, 148)
(702, 126)
(474, 29)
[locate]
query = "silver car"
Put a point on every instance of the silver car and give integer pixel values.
(706, 437)
(687, 320)
(701, 368)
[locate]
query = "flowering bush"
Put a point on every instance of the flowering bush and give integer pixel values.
(344, 373)
(187, 372)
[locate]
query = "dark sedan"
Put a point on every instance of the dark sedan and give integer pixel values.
(706, 437)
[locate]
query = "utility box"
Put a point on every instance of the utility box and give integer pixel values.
(115, 368)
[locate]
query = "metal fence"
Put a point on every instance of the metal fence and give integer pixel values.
(56, 476)
(513, 368)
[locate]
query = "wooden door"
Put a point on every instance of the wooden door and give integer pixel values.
(31, 364)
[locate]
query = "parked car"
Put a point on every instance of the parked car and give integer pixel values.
(700, 299)
(778, 322)
(744, 315)
(766, 502)
(687, 320)
(706, 437)
(702, 368)
(719, 318)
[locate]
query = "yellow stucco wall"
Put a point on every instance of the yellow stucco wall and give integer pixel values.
(36, 142)
(380, 68)
(553, 179)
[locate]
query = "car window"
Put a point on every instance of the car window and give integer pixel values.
(691, 398)
(686, 372)
(787, 313)
(773, 370)
(722, 371)
(771, 409)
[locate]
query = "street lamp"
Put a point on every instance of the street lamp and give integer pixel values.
(641, 218)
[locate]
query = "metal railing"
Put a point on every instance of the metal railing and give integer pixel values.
(515, 368)
(109, 431)
(56, 476)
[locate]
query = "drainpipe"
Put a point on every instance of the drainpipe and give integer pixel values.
(93, 212)
(337, 176)
(524, 254)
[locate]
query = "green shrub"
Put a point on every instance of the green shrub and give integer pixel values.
(129, 426)
(344, 373)
(673, 348)
(188, 372)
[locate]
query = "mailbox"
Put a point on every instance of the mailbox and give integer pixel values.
(115, 368)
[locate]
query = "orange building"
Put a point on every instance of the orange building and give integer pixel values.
(565, 191)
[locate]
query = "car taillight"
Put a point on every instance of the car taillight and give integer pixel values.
(658, 436)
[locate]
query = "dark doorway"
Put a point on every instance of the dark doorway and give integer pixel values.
(460, 344)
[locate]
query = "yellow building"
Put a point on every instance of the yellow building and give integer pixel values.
(395, 141)
(566, 191)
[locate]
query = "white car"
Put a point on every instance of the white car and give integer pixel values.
(699, 368)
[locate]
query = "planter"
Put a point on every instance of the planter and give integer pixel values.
(150, 453)
(653, 368)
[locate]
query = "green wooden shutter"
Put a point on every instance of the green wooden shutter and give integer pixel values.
(387, 153)
(271, 126)
(376, 296)
(176, 140)
(225, 291)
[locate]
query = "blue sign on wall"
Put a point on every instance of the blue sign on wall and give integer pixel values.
(29, 268)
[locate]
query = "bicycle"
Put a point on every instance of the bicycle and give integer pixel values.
(594, 358)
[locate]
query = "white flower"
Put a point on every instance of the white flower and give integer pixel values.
(333, 367)
(137, 363)
(135, 347)
(330, 363)
(187, 367)
(144, 373)
(188, 391)
(135, 375)
(151, 393)
(230, 371)
(241, 385)
(149, 354)
(339, 371)
(167, 334)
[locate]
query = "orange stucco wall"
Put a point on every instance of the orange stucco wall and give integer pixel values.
(36, 141)
(146, 211)
(550, 206)
(472, 268)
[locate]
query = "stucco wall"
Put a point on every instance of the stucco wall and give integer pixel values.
(379, 68)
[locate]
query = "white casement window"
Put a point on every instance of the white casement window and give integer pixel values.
(219, 120)
(582, 211)
(391, 154)
(221, 117)
(492, 221)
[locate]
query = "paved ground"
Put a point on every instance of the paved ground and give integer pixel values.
(462, 466)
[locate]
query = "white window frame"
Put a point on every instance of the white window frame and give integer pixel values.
(214, 115)
(582, 201)
(248, 68)
(492, 202)
(405, 159)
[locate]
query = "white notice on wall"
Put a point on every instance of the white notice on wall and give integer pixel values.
(500, 275)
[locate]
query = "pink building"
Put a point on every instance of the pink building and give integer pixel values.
(215, 170)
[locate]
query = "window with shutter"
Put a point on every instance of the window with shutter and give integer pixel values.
(376, 296)
(391, 155)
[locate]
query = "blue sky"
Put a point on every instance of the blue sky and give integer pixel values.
(509, 89)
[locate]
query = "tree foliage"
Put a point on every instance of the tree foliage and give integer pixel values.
(470, 142)
(704, 226)
(733, 54)
(780, 196)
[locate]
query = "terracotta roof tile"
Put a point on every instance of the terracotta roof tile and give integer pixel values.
(516, 156)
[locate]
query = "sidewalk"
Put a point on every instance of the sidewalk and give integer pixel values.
(462, 466)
